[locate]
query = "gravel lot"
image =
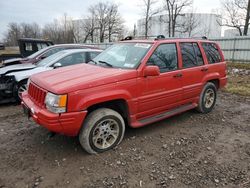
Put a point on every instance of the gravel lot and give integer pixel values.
(188, 150)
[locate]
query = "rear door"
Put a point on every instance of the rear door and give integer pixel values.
(159, 93)
(215, 59)
(193, 69)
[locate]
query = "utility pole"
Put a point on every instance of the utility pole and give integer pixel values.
(247, 19)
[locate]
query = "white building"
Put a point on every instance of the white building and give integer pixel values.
(233, 32)
(203, 25)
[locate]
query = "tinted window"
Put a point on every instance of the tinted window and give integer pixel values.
(52, 51)
(191, 55)
(165, 57)
(73, 59)
(212, 52)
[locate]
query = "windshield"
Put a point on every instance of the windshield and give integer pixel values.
(49, 59)
(123, 55)
(37, 53)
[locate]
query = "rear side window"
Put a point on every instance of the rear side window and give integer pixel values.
(191, 55)
(165, 57)
(212, 53)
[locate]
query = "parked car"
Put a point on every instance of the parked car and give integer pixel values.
(13, 79)
(131, 83)
(45, 52)
(27, 46)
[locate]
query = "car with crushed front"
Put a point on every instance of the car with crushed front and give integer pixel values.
(132, 83)
(13, 78)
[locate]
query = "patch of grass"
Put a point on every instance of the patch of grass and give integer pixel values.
(10, 50)
(239, 65)
(238, 84)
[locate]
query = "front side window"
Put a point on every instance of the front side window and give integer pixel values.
(123, 55)
(212, 53)
(165, 57)
(73, 59)
(191, 55)
(49, 59)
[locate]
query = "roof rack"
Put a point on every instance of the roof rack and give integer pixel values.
(161, 37)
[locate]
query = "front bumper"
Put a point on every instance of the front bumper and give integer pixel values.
(65, 123)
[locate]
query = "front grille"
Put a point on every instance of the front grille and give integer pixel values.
(36, 94)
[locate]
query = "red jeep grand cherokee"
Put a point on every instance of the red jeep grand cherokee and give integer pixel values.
(131, 83)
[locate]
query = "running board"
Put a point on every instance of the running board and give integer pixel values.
(167, 114)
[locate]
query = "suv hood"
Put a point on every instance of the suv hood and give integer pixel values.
(16, 68)
(78, 77)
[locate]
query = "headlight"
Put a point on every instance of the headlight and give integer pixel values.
(56, 103)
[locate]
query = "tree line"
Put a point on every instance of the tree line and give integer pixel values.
(103, 23)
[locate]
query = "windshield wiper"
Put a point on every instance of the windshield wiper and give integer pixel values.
(106, 63)
(93, 61)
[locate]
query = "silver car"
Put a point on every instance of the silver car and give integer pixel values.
(13, 78)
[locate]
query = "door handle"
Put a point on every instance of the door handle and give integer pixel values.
(177, 75)
(204, 69)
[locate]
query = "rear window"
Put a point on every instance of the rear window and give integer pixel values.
(212, 53)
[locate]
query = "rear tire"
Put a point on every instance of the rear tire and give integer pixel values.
(102, 130)
(207, 98)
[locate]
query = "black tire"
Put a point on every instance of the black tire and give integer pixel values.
(20, 85)
(204, 106)
(95, 124)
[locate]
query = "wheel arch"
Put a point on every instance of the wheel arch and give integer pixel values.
(119, 105)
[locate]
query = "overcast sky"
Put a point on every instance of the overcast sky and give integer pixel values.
(44, 11)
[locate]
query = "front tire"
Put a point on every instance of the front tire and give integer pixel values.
(102, 130)
(207, 98)
(21, 87)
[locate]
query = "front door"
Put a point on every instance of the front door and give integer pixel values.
(159, 93)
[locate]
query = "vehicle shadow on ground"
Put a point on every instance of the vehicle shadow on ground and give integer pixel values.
(66, 145)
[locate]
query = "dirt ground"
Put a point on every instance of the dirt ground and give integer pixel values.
(188, 150)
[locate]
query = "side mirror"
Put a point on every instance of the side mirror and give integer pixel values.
(57, 65)
(151, 71)
(43, 57)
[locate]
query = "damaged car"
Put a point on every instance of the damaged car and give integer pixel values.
(13, 78)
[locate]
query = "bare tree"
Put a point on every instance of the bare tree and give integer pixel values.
(234, 14)
(148, 12)
(24, 30)
(13, 34)
(244, 5)
(60, 31)
(105, 19)
(100, 12)
(89, 27)
(32, 30)
(175, 9)
(189, 24)
(115, 22)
